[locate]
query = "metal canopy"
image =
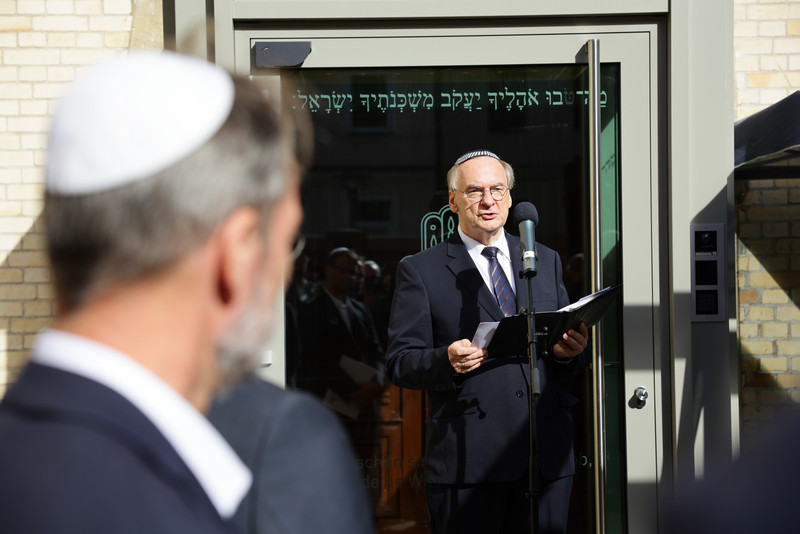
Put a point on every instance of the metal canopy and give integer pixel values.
(767, 143)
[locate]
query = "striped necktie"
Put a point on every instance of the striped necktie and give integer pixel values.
(502, 288)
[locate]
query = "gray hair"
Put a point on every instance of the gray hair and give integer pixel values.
(454, 174)
(97, 241)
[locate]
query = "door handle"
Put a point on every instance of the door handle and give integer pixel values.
(639, 398)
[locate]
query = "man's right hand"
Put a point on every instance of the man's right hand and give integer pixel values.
(464, 357)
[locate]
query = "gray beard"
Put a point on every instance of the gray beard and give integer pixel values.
(240, 350)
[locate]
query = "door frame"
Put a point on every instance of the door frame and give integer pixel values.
(640, 51)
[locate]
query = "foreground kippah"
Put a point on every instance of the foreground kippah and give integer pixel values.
(475, 154)
(129, 117)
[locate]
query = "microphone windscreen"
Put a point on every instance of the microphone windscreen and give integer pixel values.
(525, 211)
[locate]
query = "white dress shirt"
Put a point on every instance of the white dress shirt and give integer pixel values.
(482, 262)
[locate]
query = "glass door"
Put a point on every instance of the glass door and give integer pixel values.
(388, 124)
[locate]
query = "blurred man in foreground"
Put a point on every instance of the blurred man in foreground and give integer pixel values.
(171, 207)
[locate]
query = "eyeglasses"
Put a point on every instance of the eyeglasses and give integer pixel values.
(475, 194)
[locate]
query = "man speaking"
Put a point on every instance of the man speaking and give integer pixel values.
(478, 435)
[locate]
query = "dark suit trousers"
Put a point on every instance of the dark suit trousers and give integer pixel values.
(499, 507)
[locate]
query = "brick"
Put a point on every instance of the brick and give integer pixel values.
(34, 141)
(61, 39)
(788, 347)
(28, 259)
(774, 296)
(37, 275)
(48, 90)
(744, 28)
(33, 241)
(32, 208)
(17, 292)
(89, 40)
(10, 209)
(772, 213)
(778, 11)
(761, 380)
(15, 90)
(760, 313)
(754, 347)
(60, 7)
(773, 364)
(748, 296)
(750, 198)
(748, 330)
(793, 27)
(31, 7)
(762, 280)
(789, 380)
(748, 365)
(9, 275)
(760, 247)
(117, 7)
(15, 24)
(117, 40)
(32, 39)
(29, 325)
(27, 124)
(33, 107)
(16, 158)
(748, 230)
(788, 246)
(774, 330)
(80, 56)
(29, 56)
(774, 396)
(45, 291)
(38, 308)
(60, 23)
(10, 309)
(10, 141)
(775, 196)
(89, 7)
(34, 73)
(772, 28)
(748, 397)
(778, 229)
(110, 23)
(787, 313)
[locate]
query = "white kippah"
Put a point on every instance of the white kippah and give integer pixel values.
(132, 116)
(475, 154)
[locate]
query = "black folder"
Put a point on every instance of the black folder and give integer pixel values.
(511, 336)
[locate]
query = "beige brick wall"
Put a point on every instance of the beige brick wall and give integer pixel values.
(43, 43)
(767, 69)
(768, 250)
(767, 52)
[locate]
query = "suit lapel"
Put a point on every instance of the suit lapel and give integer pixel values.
(469, 279)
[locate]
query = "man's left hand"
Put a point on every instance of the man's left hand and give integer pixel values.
(572, 343)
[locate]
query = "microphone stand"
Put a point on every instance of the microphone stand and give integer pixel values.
(534, 390)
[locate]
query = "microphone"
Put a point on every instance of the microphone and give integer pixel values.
(526, 217)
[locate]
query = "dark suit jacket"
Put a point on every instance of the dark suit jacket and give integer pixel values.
(478, 424)
(77, 457)
(325, 338)
(306, 479)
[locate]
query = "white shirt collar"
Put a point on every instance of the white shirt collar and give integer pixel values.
(501, 243)
(474, 248)
(221, 473)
